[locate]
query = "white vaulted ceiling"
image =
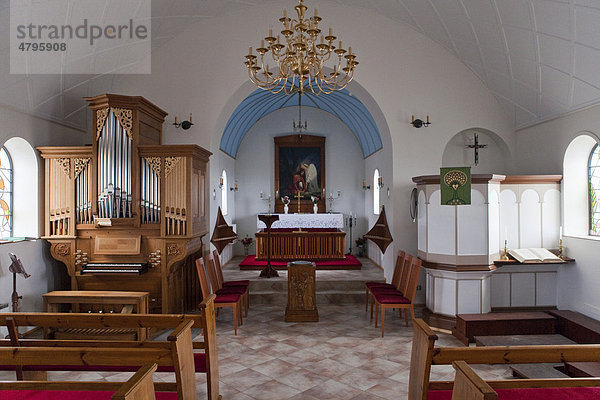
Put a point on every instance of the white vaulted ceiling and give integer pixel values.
(539, 58)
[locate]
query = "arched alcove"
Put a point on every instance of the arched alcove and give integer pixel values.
(494, 158)
(25, 187)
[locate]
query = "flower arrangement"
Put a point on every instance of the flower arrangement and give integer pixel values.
(247, 241)
(285, 200)
(315, 199)
(360, 241)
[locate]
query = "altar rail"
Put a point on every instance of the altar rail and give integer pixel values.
(287, 245)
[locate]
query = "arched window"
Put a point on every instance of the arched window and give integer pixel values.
(6, 194)
(223, 183)
(376, 192)
(594, 190)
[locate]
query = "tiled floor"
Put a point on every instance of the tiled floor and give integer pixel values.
(340, 357)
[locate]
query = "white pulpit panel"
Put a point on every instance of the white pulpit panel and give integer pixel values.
(546, 289)
(441, 235)
(494, 223)
(509, 219)
(522, 289)
(500, 290)
(472, 226)
(422, 222)
(531, 220)
(468, 291)
(551, 218)
(445, 289)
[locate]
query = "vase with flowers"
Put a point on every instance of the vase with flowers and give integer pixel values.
(286, 201)
(315, 201)
(246, 241)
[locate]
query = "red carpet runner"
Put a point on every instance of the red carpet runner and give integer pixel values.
(350, 262)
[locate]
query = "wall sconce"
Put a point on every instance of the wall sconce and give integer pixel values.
(234, 188)
(221, 182)
(418, 123)
(380, 182)
(185, 125)
(365, 186)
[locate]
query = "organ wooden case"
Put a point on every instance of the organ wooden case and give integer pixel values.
(128, 213)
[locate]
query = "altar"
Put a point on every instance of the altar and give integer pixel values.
(303, 237)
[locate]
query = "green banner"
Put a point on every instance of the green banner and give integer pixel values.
(455, 184)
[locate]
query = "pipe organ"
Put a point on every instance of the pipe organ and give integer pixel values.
(128, 213)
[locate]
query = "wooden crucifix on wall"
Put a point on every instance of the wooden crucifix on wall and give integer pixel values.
(476, 146)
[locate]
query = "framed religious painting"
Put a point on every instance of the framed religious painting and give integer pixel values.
(300, 172)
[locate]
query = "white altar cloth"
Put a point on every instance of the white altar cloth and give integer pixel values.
(305, 221)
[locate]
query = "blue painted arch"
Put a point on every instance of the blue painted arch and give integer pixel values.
(341, 104)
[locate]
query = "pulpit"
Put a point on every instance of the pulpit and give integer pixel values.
(302, 237)
(302, 296)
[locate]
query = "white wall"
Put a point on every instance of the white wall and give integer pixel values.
(46, 274)
(540, 150)
(494, 159)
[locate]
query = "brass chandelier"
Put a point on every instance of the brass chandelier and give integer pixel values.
(300, 58)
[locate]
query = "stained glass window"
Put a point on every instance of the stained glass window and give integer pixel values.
(594, 186)
(6, 194)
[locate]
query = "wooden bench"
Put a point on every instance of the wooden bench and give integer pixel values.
(174, 355)
(470, 386)
(424, 354)
(123, 302)
(139, 387)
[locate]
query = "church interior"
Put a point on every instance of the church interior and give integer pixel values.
(447, 167)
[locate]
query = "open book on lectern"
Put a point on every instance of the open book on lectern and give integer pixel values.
(534, 255)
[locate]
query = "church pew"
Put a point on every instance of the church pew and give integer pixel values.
(138, 387)
(181, 352)
(424, 354)
(470, 386)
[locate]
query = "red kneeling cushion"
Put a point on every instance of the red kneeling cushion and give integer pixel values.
(572, 393)
(70, 395)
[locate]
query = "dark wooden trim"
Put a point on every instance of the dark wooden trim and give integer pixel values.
(523, 309)
(518, 179)
(457, 268)
(493, 178)
(306, 206)
(438, 320)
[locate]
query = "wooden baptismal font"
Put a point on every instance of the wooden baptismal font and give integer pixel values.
(302, 295)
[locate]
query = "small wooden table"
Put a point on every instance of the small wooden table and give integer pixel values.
(302, 292)
(137, 301)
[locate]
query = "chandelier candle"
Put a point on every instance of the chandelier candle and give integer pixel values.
(300, 58)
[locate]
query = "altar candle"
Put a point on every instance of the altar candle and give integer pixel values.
(505, 233)
(560, 233)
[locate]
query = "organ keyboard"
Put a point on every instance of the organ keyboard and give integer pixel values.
(128, 213)
(114, 268)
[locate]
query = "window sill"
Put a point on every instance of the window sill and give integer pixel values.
(17, 239)
(582, 237)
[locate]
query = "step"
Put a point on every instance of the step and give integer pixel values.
(325, 297)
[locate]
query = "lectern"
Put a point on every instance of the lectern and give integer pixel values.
(268, 220)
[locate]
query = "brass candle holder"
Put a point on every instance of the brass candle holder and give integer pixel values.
(560, 248)
(505, 255)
